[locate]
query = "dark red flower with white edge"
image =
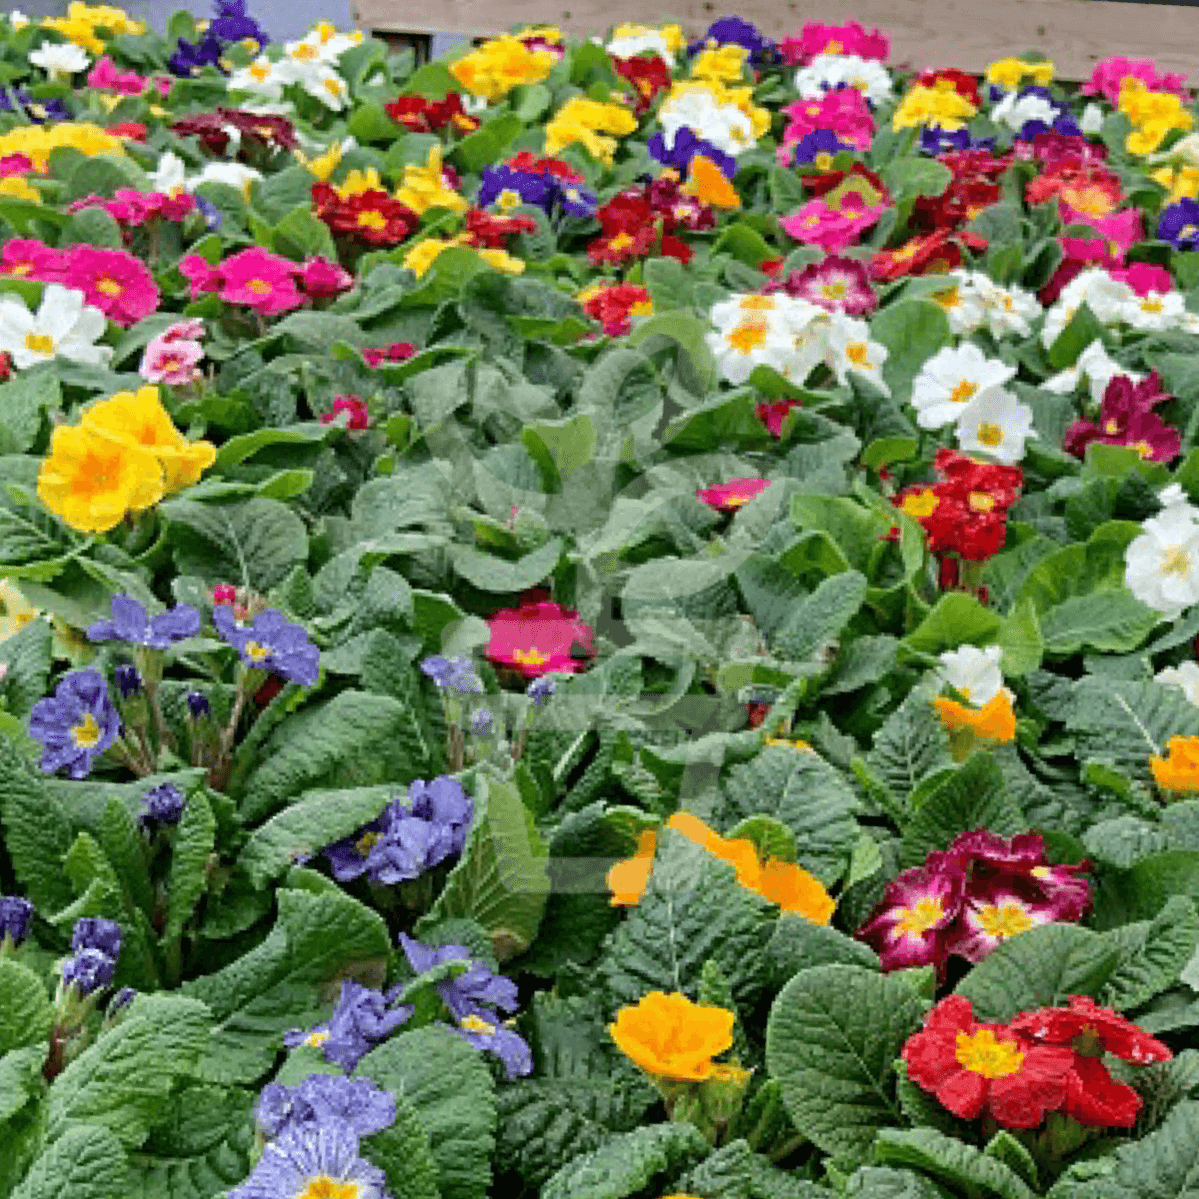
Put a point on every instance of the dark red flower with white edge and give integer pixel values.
(836, 284)
(538, 638)
(994, 912)
(909, 926)
(727, 497)
(949, 78)
(986, 1069)
(1089, 1031)
(355, 408)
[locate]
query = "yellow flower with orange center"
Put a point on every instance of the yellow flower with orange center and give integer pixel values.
(588, 122)
(670, 1037)
(138, 418)
(1179, 769)
(423, 188)
(497, 66)
(994, 721)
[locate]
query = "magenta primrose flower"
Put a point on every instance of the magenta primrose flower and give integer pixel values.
(817, 224)
(725, 497)
(117, 283)
(850, 38)
(969, 898)
(836, 284)
(1126, 417)
(1107, 76)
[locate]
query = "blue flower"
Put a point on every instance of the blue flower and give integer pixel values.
(738, 31)
(510, 188)
(130, 623)
(540, 690)
(213, 216)
(189, 59)
(575, 200)
(128, 679)
(164, 805)
(453, 674)
(271, 643)
(15, 915)
(122, 999)
(322, 1098)
(96, 932)
(360, 1020)
(88, 970)
(1179, 224)
(443, 802)
(820, 146)
(491, 1037)
(687, 144)
(76, 724)
(233, 24)
(466, 993)
(311, 1160)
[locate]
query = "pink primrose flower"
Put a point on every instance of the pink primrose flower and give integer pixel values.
(844, 112)
(537, 638)
(355, 408)
(172, 362)
(260, 280)
(725, 497)
(323, 279)
(831, 228)
(398, 351)
(1144, 277)
(850, 38)
(27, 258)
(189, 329)
(117, 283)
(910, 926)
(1117, 233)
(1107, 76)
(105, 76)
(836, 284)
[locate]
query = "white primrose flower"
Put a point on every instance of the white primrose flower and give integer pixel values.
(1106, 297)
(59, 60)
(17, 19)
(849, 348)
(327, 86)
(262, 78)
(640, 39)
(234, 174)
(753, 330)
(170, 176)
(997, 424)
(1096, 367)
(1161, 566)
(1005, 309)
(1156, 311)
(1185, 676)
(65, 327)
(826, 71)
(961, 302)
(950, 379)
(1014, 112)
(974, 672)
(1091, 120)
(695, 107)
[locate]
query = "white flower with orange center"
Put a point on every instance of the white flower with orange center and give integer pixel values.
(848, 348)
(1161, 566)
(959, 299)
(1155, 311)
(997, 425)
(262, 78)
(951, 379)
(775, 331)
(64, 327)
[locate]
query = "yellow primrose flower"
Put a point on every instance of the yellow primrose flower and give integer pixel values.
(585, 121)
(17, 189)
(742, 97)
(1153, 115)
(1009, 72)
(497, 66)
(931, 106)
(323, 165)
(1182, 182)
(15, 610)
(359, 181)
(423, 187)
(501, 260)
(426, 252)
(36, 141)
(82, 21)
(725, 65)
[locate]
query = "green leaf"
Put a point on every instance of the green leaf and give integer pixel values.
(487, 144)
(797, 944)
(86, 1162)
(122, 1080)
(817, 621)
(1152, 955)
(951, 1161)
(1021, 640)
(354, 739)
(629, 1164)
(28, 654)
(500, 881)
(313, 822)
(26, 1014)
(1039, 968)
(735, 1171)
(956, 619)
(883, 1182)
(832, 1038)
(286, 981)
(403, 1153)
(194, 842)
(911, 745)
(25, 399)
(300, 235)
(913, 331)
(490, 573)
(695, 364)
(1110, 621)
(1083, 329)
(446, 1082)
(693, 909)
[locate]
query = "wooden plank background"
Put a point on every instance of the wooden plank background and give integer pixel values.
(945, 33)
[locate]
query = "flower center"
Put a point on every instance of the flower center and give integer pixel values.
(834, 291)
(257, 652)
(21, 269)
(372, 220)
(747, 336)
(950, 298)
(824, 160)
(1187, 232)
(757, 303)
(530, 657)
(980, 501)
(324, 1187)
(983, 1054)
(509, 199)
(316, 1039)
(922, 504)
(926, 913)
(260, 72)
(109, 287)
(86, 733)
(856, 353)
(260, 287)
(304, 53)
(477, 1024)
(1111, 428)
(366, 843)
(39, 343)
(1151, 305)
(990, 434)
(1004, 920)
(963, 391)
(333, 87)
(1176, 561)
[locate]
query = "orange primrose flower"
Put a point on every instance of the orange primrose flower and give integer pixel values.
(1179, 769)
(628, 879)
(668, 1036)
(995, 720)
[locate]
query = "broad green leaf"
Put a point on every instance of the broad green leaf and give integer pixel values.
(797, 944)
(817, 622)
(913, 331)
(194, 843)
(1109, 621)
(25, 400)
(832, 1038)
(85, 1162)
(885, 1182)
(956, 619)
(491, 573)
(25, 1011)
(629, 1163)
(403, 1153)
(1152, 955)
(958, 1165)
(21, 1077)
(1039, 968)
(37, 833)
(451, 1089)
(911, 744)
(735, 1170)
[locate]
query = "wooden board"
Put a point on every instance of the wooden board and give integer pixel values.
(924, 33)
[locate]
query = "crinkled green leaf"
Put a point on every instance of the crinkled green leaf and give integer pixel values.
(85, 1162)
(628, 1164)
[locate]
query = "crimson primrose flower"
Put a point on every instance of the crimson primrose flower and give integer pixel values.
(1126, 417)
(539, 638)
(725, 497)
(985, 1069)
(372, 216)
(909, 927)
(1088, 1031)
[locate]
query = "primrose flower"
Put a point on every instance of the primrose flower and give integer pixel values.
(670, 1037)
(594, 124)
(630, 40)
(994, 721)
(356, 1102)
(996, 424)
(974, 673)
(727, 497)
(164, 804)
(130, 624)
(425, 187)
(1161, 566)
(312, 1160)
(627, 879)
(361, 1019)
(1179, 769)
(59, 61)
(76, 725)
(15, 916)
(828, 72)
(849, 348)
(271, 643)
(910, 926)
(455, 674)
(65, 326)
(260, 280)
(1186, 676)
(493, 69)
(951, 379)
(921, 105)
(88, 970)
(539, 638)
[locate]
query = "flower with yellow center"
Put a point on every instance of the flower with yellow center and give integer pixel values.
(1181, 182)
(423, 188)
(15, 610)
(931, 106)
(706, 182)
(670, 1037)
(138, 418)
(1008, 918)
(91, 480)
(983, 1053)
(1179, 769)
(724, 65)
(497, 66)
(920, 504)
(359, 181)
(36, 141)
(925, 914)
(587, 121)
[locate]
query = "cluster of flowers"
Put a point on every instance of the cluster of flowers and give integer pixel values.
(409, 837)
(547, 183)
(780, 882)
(263, 281)
(95, 947)
(1126, 417)
(1043, 1061)
(975, 674)
(968, 899)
